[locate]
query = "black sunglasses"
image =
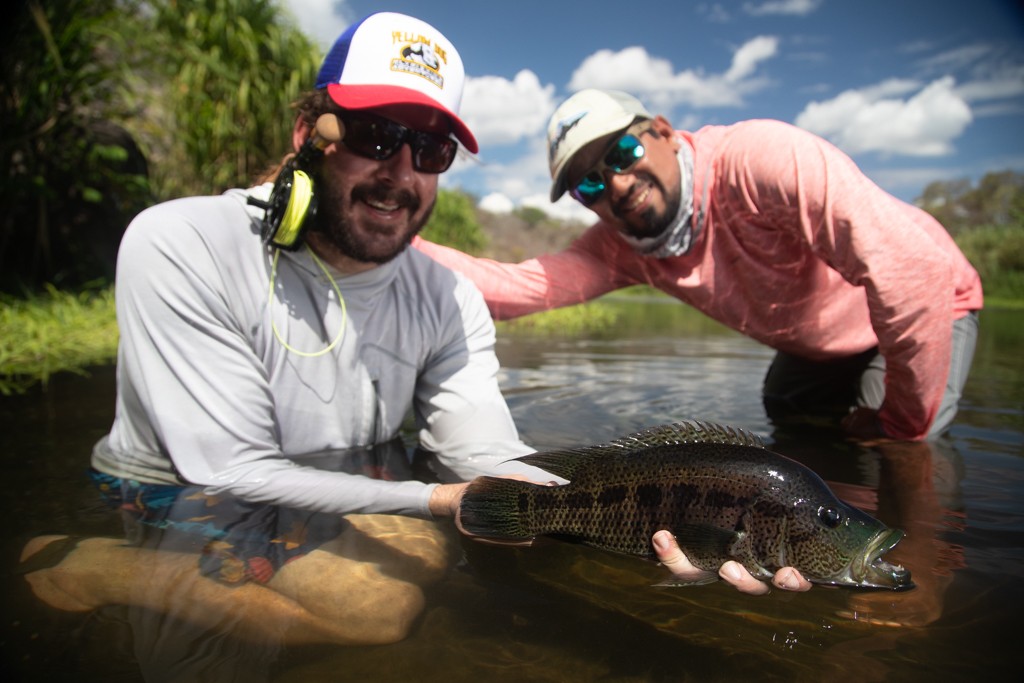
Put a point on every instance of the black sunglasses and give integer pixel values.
(375, 137)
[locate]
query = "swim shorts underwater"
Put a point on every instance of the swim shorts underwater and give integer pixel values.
(237, 541)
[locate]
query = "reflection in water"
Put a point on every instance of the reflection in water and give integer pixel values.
(911, 478)
(919, 490)
(557, 612)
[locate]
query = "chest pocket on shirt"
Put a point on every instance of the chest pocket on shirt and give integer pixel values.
(393, 382)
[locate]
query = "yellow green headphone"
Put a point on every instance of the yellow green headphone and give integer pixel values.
(292, 205)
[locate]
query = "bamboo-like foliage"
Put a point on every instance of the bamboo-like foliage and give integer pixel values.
(236, 66)
(109, 105)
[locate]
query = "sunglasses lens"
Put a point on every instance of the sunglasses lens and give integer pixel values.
(626, 152)
(432, 153)
(378, 138)
(588, 190)
(621, 157)
(374, 138)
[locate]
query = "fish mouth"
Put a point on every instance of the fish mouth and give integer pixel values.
(869, 570)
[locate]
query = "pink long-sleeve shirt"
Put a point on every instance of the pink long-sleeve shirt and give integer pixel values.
(798, 250)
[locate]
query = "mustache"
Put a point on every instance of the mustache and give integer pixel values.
(403, 198)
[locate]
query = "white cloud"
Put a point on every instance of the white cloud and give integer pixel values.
(750, 54)
(498, 203)
(956, 59)
(525, 174)
(655, 80)
(321, 20)
(501, 112)
(1006, 84)
(786, 7)
(522, 181)
(566, 208)
(876, 119)
(632, 65)
(890, 87)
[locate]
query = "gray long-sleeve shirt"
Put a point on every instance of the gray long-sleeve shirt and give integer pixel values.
(209, 394)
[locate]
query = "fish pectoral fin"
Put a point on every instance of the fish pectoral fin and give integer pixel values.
(697, 580)
(705, 539)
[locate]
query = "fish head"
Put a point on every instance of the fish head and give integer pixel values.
(831, 542)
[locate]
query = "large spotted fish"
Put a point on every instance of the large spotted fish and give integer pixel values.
(717, 489)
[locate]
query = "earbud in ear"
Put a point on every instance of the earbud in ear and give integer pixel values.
(328, 128)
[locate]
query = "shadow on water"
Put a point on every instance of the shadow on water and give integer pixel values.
(561, 612)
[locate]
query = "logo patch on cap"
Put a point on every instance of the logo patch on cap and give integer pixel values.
(564, 126)
(419, 56)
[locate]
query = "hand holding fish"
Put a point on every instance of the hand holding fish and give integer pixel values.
(863, 424)
(732, 572)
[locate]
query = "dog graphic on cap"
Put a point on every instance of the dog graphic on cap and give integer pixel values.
(424, 53)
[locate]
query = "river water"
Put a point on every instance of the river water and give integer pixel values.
(561, 612)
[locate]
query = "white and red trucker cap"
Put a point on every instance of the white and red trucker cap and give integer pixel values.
(389, 58)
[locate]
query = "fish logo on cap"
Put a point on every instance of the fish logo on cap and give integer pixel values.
(564, 126)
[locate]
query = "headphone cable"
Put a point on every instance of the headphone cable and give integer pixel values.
(337, 290)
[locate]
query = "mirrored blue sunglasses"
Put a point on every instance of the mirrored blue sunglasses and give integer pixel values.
(622, 156)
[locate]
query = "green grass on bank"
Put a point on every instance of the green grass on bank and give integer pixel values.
(572, 321)
(54, 332)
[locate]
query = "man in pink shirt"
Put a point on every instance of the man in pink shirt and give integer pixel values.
(772, 231)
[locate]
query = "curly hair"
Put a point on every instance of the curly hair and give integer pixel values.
(313, 103)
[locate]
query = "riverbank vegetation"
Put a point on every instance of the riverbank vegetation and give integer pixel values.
(112, 105)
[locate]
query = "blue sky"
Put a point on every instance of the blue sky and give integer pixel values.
(913, 90)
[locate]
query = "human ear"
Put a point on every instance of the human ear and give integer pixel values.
(300, 133)
(661, 127)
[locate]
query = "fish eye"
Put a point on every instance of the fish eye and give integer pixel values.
(830, 517)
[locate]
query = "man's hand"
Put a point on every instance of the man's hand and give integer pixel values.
(863, 424)
(732, 572)
(445, 500)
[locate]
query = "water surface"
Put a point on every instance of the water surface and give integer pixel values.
(560, 612)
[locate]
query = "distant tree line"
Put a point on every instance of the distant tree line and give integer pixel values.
(960, 205)
(987, 221)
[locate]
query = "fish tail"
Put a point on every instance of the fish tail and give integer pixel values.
(491, 507)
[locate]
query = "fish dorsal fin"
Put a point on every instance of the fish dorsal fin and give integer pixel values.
(566, 462)
(689, 431)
